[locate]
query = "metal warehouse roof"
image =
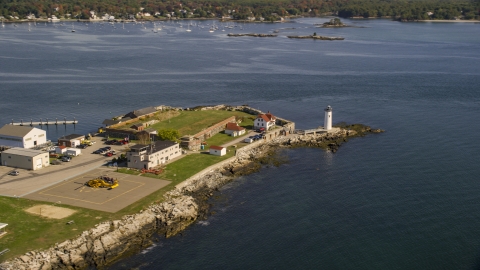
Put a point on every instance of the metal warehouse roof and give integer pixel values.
(23, 152)
(16, 131)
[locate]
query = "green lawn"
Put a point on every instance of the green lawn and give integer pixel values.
(26, 231)
(220, 139)
(192, 122)
(186, 167)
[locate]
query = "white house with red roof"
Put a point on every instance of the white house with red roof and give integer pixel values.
(217, 150)
(234, 130)
(265, 121)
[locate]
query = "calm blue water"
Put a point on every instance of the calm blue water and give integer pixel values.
(404, 199)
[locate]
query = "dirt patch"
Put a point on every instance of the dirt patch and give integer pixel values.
(50, 211)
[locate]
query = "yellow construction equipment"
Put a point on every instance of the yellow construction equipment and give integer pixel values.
(103, 182)
(87, 142)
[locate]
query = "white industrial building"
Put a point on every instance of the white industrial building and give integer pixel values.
(25, 158)
(22, 136)
(143, 156)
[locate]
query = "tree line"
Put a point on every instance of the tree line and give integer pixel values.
(268, 10)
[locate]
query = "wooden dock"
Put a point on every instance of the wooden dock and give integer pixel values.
(46, 122)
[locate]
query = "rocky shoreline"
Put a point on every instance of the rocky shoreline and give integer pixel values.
(111, 240)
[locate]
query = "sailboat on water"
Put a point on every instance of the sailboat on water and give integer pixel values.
(188, 28)
(73, 27)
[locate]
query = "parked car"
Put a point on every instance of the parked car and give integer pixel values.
(66, 159)
(96, 151)
(82, 146)
(107, 148)
(14, 173)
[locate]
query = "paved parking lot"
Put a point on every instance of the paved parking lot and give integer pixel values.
(74, 191)
(32, 181)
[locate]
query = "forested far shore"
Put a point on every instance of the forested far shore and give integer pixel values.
(253, 10)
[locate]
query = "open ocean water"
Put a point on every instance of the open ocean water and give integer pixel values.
(405, 199)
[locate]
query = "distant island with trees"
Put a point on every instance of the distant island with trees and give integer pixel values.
(245, 10)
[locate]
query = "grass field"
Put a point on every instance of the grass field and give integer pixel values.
(192, 122)
(186, 167)
(221, 138)
(28, 231)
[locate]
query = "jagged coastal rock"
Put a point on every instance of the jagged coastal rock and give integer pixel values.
(108, 241)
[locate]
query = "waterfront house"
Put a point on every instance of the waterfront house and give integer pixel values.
(217, 150)
(25, 158)
(146, 156)
(72, 140)
(234, 130)
(265, 121)
(22, 136)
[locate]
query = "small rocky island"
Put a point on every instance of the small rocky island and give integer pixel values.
(315, 36)
(335, 22)
(251, 35)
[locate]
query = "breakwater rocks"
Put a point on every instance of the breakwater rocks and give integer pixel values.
(251, 35)
(188, 202)
(331, 141)
(317, 37)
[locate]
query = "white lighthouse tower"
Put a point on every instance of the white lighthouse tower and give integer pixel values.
(327, 124)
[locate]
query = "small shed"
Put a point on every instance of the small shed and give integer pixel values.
(61, 149)
(234, 130)
(218, 150)
(73, 152)
(71, 140)
(2, 229)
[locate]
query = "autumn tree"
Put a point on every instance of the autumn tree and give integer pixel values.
(169, 134)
